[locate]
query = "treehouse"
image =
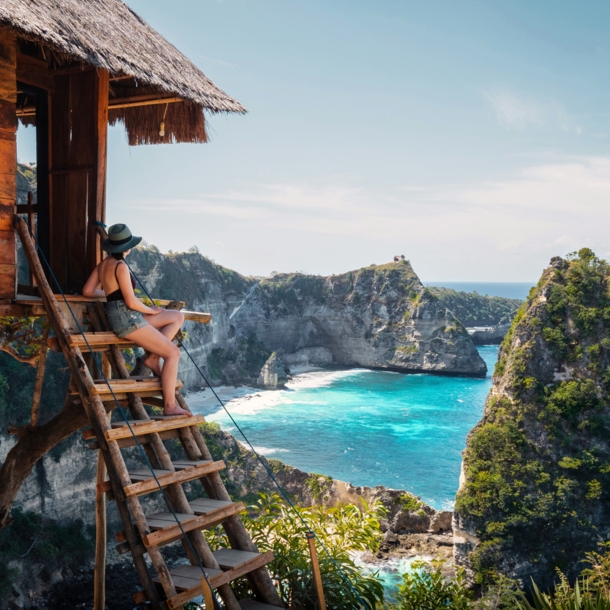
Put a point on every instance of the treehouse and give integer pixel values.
(71, 68)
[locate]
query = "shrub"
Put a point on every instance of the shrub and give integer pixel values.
(342, 529)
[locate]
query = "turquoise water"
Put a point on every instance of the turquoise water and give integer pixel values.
(366, 427)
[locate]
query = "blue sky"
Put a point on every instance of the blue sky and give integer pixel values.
(471, 136)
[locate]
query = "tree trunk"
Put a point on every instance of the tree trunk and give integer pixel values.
(33, 443)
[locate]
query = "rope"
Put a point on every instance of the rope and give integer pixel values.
(122, 412)
(269, 472)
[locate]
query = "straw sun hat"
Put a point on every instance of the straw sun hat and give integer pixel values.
(120, 239)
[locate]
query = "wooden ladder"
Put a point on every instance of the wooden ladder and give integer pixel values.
(147, 534)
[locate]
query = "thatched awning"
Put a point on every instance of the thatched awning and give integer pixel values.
(108, 34)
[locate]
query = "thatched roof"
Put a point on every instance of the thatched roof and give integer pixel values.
(108, 34)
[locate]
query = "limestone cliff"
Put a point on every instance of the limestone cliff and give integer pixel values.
(376, 317)
(535, 488)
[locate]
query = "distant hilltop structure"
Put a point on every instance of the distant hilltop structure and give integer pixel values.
(399, 257)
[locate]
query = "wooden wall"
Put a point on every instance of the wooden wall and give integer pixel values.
(8, 162)
(78, 128)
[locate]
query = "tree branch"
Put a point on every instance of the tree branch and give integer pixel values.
(34, 443)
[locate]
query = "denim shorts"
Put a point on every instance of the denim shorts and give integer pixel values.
(122, 320)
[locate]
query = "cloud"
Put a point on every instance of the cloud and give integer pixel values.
(518, 112)
(504, 229)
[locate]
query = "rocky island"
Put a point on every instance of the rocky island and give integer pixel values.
(536, 470)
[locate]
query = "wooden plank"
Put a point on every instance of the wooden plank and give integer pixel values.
(150, 485)
(154, 385)
(18, 311)
(195, 316)
(154, 426)
(191, 587)
(32, 71)
(254, 564)
(8, 116)
(123, 443)
(230, 559)
(169, 530)
(183, 464)
(202, 506)
(97, 339)
(79, 298)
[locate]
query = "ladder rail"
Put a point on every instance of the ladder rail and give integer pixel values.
(193, 541)
(154, 453)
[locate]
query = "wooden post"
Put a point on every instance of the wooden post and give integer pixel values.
(8, 161)
(317, 577)
(99, 579)
(30, 208)
(42, 360)
(79, 128)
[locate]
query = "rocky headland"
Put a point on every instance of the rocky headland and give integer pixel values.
(535, 487)
(379, 317)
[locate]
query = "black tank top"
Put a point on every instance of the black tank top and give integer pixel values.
(117, 295)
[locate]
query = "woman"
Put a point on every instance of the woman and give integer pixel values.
(152, 328)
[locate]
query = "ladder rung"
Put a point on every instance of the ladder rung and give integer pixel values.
(202, 506)
(98, 339)
(167, 530)
(190, 577)
(165, 477)
(125, 386)
(151, 426)
(184, 464)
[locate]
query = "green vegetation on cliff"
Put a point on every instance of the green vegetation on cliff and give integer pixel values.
(537, 467)
(474, 309)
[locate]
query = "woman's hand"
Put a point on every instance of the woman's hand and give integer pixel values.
(154, 310)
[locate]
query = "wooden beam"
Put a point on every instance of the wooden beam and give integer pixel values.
(35, 72)
(141, 100)
(8, 161)
(99, 576)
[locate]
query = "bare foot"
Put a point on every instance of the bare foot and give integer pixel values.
(153, 362)
(175, 410)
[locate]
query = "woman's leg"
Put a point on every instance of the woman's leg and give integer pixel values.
(168, 323)
(153, 341)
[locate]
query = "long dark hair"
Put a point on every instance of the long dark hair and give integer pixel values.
(118, 255)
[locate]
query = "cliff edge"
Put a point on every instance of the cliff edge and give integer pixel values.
(535, 488)
(379, 317)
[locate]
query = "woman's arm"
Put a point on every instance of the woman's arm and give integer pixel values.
(92, 287)
(122, 275)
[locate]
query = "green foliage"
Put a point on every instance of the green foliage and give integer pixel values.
(427, 588)
(319, 485)
(410, 503)
(538, 466)
(342, 529)
(474, 309)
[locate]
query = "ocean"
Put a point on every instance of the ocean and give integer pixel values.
(510, 290)
(366, 427)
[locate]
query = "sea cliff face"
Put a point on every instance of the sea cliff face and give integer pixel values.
(376, 317)
(535, 487)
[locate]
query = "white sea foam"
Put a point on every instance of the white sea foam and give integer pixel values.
(264, 450)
